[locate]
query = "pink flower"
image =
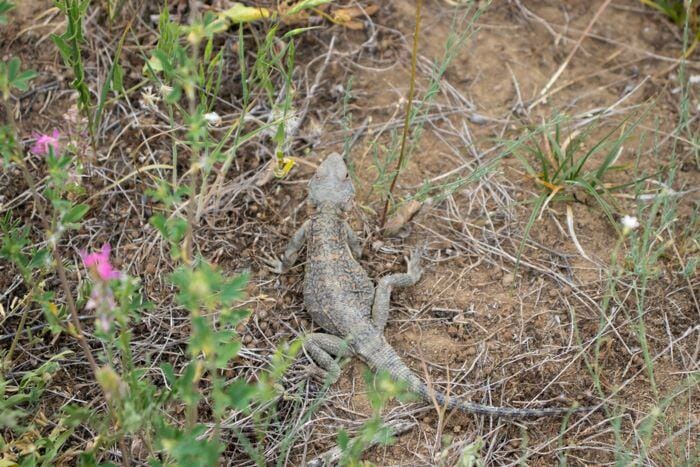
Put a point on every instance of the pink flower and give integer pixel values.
(99, 263)
(43, 142)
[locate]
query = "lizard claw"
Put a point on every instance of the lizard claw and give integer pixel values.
(274, 264)
(413, 263)
(319, 375)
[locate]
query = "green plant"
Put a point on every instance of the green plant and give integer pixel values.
(565, 164)
(390, 160)
(652, 244)
(69, 46)
(381, 389)
(681, 12)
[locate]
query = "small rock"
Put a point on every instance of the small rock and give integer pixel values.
(478, 119)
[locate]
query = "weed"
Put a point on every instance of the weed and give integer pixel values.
(399, 150)
(682, 13)
(566, 165)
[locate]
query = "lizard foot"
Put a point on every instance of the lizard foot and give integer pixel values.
(321, 376)
(413, 263)
(274, 264)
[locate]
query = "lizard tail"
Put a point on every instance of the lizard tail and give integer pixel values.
(379, 355)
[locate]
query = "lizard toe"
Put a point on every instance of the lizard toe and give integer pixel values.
(273, 264)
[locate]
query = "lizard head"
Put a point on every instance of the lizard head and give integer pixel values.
(332, 185)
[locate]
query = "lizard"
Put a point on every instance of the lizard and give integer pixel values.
(341, 298)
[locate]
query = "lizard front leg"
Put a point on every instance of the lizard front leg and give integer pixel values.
(353, 241)
(382, 293)
(280, 266)
(322, 347)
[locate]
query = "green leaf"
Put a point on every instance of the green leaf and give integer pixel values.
(240, 393)
(343, 439)
(118, 78)
(22, 80)
(76, 213)
(233, 317)
(228, 349)
(63, 47)
(234, 289)
(13, 67)
(306, 4)
(240, 13)
(11, 77)
(297, 31)
(40, 258)
(4, 8)
(172, 230)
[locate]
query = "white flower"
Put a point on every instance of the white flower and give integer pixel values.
(148, 99)
(629, 223)
(165, 90)
(213, 119)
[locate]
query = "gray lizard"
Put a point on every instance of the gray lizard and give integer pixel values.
(341, 299)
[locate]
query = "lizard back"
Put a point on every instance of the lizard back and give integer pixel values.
(338, 293)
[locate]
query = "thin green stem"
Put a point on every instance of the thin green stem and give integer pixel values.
(407, 120)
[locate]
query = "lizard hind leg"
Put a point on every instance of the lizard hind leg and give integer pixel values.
(382, 294)
(322, 348)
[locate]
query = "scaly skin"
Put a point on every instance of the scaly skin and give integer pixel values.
(340, 297)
